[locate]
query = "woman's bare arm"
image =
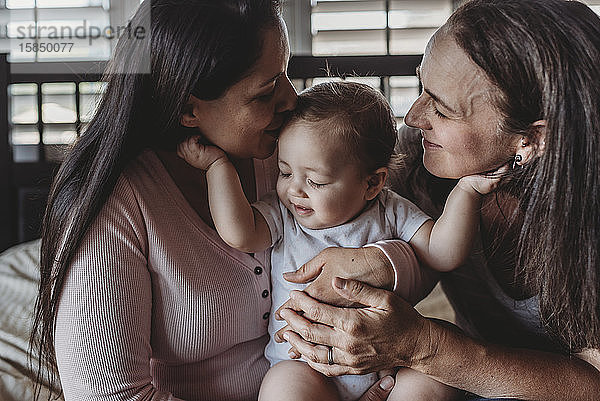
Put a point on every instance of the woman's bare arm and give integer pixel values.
(497, 371)
(389, 332)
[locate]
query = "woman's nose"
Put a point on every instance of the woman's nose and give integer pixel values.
(417, 115)
(287, 96)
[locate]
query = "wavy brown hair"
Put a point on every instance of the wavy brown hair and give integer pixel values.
(199, 47)
(543, 55)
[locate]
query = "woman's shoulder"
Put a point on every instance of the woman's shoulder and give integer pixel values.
(142, 180)
(146, 162)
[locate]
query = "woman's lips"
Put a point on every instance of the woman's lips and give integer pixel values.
(272, 132)
(430, 145)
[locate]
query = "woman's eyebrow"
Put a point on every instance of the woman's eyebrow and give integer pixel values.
(440, 101)
(431, 94)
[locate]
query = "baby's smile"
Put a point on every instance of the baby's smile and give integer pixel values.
(302, 211)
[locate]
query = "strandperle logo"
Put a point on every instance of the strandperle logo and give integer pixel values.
(82, 31)
(51, 43)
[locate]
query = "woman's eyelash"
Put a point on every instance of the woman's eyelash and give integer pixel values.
(438, 113)
(267, 96)
(284, 175)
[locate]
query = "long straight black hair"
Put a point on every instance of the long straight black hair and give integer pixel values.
(198, 47)
(544, 55)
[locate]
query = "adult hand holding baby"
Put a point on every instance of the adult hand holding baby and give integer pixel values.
(368, 264)
(359, 336)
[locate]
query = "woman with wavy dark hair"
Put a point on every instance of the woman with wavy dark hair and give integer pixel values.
(510, 83)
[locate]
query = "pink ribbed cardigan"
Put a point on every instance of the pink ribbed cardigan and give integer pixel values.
(157, 307)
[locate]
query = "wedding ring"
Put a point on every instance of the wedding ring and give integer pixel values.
(330, 356)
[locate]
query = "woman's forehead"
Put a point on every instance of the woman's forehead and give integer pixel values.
(448, 71)
(272, 62)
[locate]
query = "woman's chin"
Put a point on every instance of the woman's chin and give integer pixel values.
(441, 169)
(265, 149)
(265, 152)
(261, 152)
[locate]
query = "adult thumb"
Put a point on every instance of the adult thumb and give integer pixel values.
(306, 273)
(379, 391)
(357, 291)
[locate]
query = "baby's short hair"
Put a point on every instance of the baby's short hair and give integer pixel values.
(358, 114)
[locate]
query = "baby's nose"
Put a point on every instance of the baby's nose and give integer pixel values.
(296, 189)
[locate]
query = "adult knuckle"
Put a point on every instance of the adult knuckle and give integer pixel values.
(347, 345)
(314, 312)
(312, 356)
(353, 349)
(350, 326)
(356, 287)
(306, 333)
(387, 298)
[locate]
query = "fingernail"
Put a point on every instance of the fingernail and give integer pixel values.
(292, 354)
(339, 283)
(286, 336)
(386, 383)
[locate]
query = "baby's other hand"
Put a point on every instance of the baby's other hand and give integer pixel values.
(482, 183)
(199, 155)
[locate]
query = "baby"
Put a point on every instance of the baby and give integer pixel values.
(333, 160)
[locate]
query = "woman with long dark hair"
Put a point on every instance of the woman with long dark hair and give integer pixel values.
(139, 297)
(509, 83)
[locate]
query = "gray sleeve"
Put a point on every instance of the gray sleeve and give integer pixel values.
(269, 207)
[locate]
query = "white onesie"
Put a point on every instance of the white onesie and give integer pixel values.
(388, 216)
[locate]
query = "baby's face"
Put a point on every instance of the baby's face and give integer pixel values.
(318, 182)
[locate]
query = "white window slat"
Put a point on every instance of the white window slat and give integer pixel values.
(359, 27)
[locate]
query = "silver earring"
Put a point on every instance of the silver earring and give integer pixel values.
(518, 159)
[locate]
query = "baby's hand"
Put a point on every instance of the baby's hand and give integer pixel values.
(199, 155)
(482, 183)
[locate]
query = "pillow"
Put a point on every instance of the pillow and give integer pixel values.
(19, 279)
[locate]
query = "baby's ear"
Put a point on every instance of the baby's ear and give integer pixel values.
(376, 182)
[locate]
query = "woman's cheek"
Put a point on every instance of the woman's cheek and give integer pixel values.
(263, 115)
